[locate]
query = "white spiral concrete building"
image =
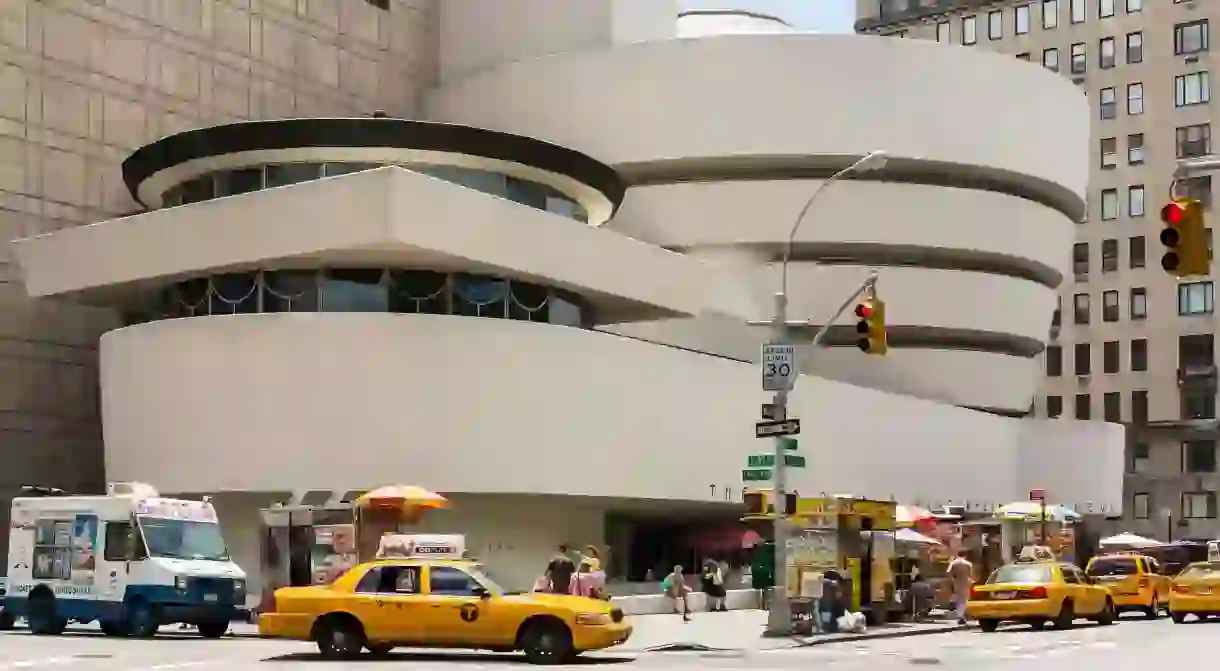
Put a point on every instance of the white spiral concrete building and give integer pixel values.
(598, 224)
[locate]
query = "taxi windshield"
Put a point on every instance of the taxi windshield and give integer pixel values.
(1021, 573)
(483, 575)
(1201, 571)
(1114, 566)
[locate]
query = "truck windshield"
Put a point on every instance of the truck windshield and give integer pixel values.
(183, 539)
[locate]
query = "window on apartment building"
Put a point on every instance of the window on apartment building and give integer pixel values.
(1054, 406)
(1082, 360)
(1192, 89)
(380, 4)
(1107, 103)
(1135, 47)
(1109, 204)
(1135, 99)
(1054, 361)
(1139, 355)
(1109, 306)
(1079, 59)
(1139, 506)
(1109, 153)
(1105, 9)
(1082, 406)
(1198, 402)
(1080, 260)
(1198, 505)
(1020, 19)
(1106, 53)
(1112, 406)
(1080, 309)
(1199, 456)
(1050, 14)
(1136, 249)
(942, 32)
(1109, 357)
(1139, 456)
(1135, 6)
(1109, 255)
(1199, 188)
(1023, 56)
(1135, 148)
(1076, 11)
(995, 25)
(1190, 38)
(1139, 303)
(1139, 406)
(1194, 140)
(1135, 200)
(969, 28)
(1050, 59)
(1196, 298)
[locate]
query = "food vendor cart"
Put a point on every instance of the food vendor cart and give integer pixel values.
(314, 545)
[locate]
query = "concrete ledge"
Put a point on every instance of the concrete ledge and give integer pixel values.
(659, 604)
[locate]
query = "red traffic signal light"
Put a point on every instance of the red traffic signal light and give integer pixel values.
(1173, 213)
(864, 310)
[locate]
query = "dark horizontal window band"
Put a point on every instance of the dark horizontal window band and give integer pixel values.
(937, 337)
(916, 256)
(900, 170)
(1001, 412)
(733, 12)
(369, 132)
(915, 13)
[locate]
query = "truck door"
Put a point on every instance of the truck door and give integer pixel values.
(112, 575)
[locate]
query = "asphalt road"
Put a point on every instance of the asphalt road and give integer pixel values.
(1133, 644)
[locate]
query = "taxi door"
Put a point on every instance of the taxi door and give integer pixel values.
(1160, 582)
(389, 603)
(461, 614)
(1088, 598)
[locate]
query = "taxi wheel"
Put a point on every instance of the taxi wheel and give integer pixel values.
(7, 621)
(1153, 611)
(989, 625)
(380, 649)
(1066, 616)
(547, 642)
(212, 629)
(339, 638)
(1178, 618)
(1109, 615)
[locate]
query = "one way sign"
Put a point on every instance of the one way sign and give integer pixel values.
(787, 427)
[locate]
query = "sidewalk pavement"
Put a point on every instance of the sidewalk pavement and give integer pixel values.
(734, 630)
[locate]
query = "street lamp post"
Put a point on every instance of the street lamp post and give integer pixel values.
(779, 619)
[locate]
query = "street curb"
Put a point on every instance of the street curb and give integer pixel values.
(881, 635)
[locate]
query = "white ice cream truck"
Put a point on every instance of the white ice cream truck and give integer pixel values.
(130, 560)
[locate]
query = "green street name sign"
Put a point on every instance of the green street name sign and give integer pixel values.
(761, 461)
(755, 474)
(789, 444)
(794, 461)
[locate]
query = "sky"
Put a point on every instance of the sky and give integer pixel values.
(827, 16)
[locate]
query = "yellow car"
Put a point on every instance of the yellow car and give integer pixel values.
(1035, 593)
(1134, 581)
(1196, 591)
(434, 603)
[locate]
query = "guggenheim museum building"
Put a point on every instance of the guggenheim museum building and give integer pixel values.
(530, 289)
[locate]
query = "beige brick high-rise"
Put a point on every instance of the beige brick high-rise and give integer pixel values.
(1132, 344)
(82, 84)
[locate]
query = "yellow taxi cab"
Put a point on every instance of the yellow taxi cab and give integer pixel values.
(1196, 591)
(1037, 592)
(1134, 580)
(439, 603)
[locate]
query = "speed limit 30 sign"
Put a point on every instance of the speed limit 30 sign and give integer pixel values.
(778, 367)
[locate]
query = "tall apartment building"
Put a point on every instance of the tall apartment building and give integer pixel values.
(83, 83)
(1129, 343)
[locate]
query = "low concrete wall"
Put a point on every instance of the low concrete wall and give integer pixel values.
(654, 604)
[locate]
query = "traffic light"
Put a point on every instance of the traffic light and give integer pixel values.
(755, 502)
(870, 314)
(1185, 238)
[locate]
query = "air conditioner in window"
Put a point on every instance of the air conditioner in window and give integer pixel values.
(1083, 379)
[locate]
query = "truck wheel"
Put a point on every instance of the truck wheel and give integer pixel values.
(7, 621)
(142, 619)
(113, 629)
(43, 617)
(212, 629)
(547, 642)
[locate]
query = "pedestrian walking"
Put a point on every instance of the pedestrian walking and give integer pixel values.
(559, 572)
(712, 583)
(674, 586)
(961, 572)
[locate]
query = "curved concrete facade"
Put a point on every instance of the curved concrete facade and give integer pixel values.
(609, 416)
(971, 230)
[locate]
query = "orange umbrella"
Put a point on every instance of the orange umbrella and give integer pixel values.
(911, 515)
(402, 497)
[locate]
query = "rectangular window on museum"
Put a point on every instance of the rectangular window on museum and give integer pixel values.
(1082, 406)
(1139, 355)
(969, 26)
(1020, 17)
(1050, 14)
(1054, 406)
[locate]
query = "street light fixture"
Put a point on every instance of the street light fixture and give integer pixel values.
(779, 618)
